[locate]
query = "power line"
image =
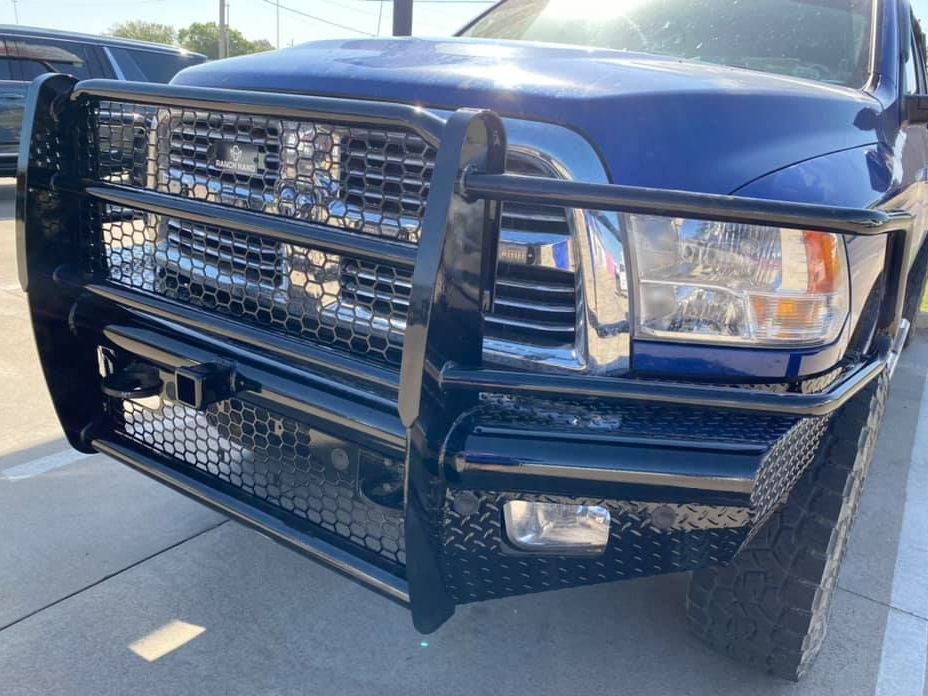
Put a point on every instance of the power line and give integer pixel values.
(370, 13)
(379, 18)
(320, 19)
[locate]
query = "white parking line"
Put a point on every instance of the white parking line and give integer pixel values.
(42, 465)
(905, 641)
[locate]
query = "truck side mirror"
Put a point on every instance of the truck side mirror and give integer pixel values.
(916, 108)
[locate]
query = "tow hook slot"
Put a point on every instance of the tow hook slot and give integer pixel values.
(199, 386)
(137, 380)
(380, 482)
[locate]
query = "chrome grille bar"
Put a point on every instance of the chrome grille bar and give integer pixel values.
(536, 293)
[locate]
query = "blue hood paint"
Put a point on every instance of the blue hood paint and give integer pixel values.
(656, 121)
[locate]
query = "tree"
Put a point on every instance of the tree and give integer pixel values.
(261, 45)
(203, 37)
(145, 31)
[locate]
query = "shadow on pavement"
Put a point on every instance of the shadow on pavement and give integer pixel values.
(33, 452)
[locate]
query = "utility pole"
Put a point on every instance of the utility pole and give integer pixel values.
(223, 31)
(278, 23)
(15, 11)
(402, 17)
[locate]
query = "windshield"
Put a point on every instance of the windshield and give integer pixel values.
(826, 40)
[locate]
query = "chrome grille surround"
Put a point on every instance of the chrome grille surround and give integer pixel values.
(603, 319)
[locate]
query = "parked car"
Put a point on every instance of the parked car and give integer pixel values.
(591, 292)
(26, 53)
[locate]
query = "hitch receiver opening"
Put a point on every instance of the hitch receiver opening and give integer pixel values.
(200, 386)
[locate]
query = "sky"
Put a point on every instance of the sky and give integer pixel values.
(256, 19)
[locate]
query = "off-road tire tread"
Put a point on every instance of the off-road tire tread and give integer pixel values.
(769, 608)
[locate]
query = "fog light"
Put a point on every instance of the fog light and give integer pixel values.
(555, 528)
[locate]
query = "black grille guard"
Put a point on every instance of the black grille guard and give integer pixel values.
(441, 375)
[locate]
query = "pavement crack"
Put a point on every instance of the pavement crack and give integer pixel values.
(112, 575)
(882, 603)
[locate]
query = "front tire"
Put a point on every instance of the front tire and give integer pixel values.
(770, 607)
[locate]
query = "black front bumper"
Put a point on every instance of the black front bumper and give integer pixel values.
(305, 442)
(684, 486)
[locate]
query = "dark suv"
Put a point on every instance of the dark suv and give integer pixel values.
(26, 53)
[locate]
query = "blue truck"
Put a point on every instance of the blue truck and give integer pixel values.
(592, 291)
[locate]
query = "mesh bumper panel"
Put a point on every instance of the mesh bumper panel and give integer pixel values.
(278, 461)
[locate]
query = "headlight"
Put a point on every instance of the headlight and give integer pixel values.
(730, 283)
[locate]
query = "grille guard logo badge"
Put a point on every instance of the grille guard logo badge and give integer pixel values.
(237, 158)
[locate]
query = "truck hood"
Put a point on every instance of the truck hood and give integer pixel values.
(656, 121)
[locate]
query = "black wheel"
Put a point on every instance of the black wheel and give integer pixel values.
(770, 606)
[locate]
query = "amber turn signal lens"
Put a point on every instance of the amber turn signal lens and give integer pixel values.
(823, 260)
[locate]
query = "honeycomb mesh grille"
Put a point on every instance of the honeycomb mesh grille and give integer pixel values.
(367, 180)
(276, 460)
(45, 150)
(364, 179)
(340, 301)
(632, 419)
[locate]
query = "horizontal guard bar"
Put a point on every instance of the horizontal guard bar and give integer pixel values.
(380, 426)
(210, 494)
(302, 233)
(656, 464)
(210, 327)
(604, 388)
(347, 111)
(703, 206)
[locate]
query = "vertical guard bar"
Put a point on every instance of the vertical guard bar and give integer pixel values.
(451, 285)
(35, 203)
(48, 235)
